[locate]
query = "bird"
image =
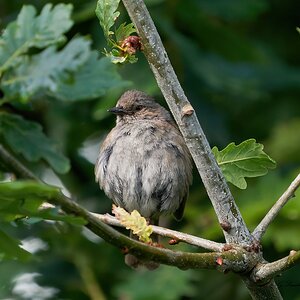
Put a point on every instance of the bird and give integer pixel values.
(144, 163)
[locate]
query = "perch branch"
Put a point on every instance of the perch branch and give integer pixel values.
(178, 236)
(273, 212)
(236, 259)
(232, 223)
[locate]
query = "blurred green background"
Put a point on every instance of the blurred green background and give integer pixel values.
(238, 62)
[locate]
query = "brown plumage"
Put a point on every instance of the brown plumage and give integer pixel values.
(144, 163)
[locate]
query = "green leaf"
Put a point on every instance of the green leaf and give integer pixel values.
(115, 55)
(132, 59)
(244, 160)
(124, 31)
(91, 80)
(44, 71)
(10, 191)
(20, 199)
(27, 138)
(55, 215)
(10, 249)
(107, 14)
(30, 31)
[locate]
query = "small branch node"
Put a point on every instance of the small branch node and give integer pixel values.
(226, 226)
(187, 110)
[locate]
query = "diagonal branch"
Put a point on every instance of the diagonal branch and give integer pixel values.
(234, 227)
(229, 216)
(265, 272)
(273, 212)
(11, 163)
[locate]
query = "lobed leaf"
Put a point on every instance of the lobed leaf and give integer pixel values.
(43, 72)
(135, 222)
(91, 80)
(124, 31)
(23, 188)
(107, 13)
(30, 30)
(27, 138)
(119, 53)
(244, 160)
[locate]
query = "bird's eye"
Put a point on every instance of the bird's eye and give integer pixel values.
(138, 107)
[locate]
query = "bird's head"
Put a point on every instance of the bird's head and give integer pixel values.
(136, 105)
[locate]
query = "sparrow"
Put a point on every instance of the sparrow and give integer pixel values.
(144, 163)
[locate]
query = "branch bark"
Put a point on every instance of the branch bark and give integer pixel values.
(218, 191)
(265, 272)
(236, 259)
(235, 230)
(11, 162)
(229, 216)
(274, 211)
(178, 236)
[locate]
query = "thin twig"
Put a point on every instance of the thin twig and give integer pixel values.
(229, 216)
(178, 236)
(265, 272)
(273, 212)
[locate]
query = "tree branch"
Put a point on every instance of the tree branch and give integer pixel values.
(273, 212)
(265, 272)
(232, 223)
(268, 291)
(228, 214)
(178, 236)
(236, 259)
(10, 162)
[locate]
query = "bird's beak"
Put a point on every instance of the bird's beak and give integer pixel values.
(118, 111)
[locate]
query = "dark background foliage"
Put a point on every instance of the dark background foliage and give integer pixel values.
(238, 62)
